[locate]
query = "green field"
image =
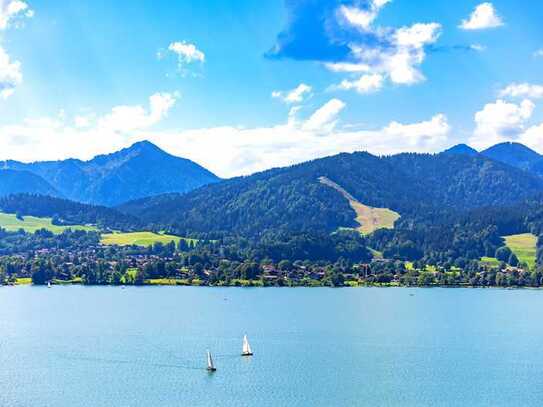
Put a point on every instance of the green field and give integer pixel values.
(31, 224)
(490, 261)
(524, 247)
(139, 239)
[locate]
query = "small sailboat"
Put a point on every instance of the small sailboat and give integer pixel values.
(246, 347)
(48, 284)
(210, 366)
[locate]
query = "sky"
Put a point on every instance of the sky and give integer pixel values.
(240, 86)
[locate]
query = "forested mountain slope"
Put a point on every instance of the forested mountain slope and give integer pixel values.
(514, 154)
(292, 199)
(141, 170)
(12, 182)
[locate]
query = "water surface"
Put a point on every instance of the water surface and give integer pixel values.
(106, 346)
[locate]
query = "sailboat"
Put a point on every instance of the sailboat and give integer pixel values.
(210, 366)
(48, 284)
(246, 347)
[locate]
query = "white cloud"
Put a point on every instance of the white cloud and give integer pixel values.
(325, 118)
(523, 90)
(13, 9)
(365, 84)
(538, 53)
(10, 71)
(500, 121)
(10, 74)
(83, 136)
(236, 150)
(484, 16)
(533, 137)
(186, 54)
(477, 47)
(398, 61)
(362, 18)
(296, 95)
(82, 121)
(432, 132)
(130, 118)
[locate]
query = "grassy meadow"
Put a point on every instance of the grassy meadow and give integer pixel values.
(145, 239)
(524, 247)
(30, 224)
(490, 261)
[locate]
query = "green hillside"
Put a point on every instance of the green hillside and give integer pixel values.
(524, 247)
(31, 224)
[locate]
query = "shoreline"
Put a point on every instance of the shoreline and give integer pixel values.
(274, 286)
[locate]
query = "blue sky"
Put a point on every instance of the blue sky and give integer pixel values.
(215, 81)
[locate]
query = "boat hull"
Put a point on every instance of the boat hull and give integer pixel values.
(247, 354)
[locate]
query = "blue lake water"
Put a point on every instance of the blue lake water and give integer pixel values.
(107, 346)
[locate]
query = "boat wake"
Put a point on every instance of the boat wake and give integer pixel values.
(130, 362)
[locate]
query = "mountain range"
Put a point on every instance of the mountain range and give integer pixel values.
(140, 170)
(446, 208)
(174, 193)
(513, 154)
(294, 199)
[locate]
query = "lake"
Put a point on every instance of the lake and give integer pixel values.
(146, 346)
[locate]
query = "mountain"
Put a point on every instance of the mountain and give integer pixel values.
(12, 182)
(461, 149)
(514, 154)
(293, 199)
(138, 171)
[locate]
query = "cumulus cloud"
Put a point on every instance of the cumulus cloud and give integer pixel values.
(398, 61)
(362, 18)
(500, 121)
(82, 136)
(325, 118)
(11, 10)
(186, 54)
(10, 74)
(365, 84)
(10, 71)
(236, 150)
(296, 95)
(484, 16)
(427, 133)
(344, 36)
(130, 118)
(523, 90)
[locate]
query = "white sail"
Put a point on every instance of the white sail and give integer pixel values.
(210, 365)
(246, 346)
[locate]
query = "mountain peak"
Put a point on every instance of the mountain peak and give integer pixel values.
(514, 154)
(144, 145)
(461, 149)
(138, 171)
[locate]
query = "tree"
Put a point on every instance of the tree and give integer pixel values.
(513, 260)
(503, 253)
(140, 277)
(285, 265)
(41, 273)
